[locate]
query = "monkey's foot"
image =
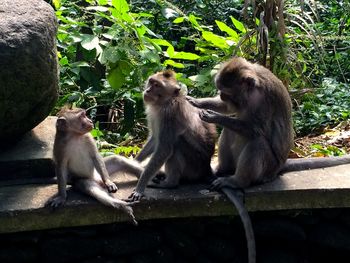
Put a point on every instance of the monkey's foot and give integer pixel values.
(221, 182)
(135, 196)
(209, 116)
(56, 201)
(111, 187)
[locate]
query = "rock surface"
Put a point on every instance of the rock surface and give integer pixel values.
(32, 156)
(28, 63)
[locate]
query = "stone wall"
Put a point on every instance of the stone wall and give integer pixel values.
(28, 63)
(291, 237)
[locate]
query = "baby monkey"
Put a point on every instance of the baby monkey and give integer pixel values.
(77, 158)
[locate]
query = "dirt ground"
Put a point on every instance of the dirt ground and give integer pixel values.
(332, 141)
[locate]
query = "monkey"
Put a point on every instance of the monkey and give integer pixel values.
(77, 158)
(181, 141)
(178, 139)
(255, 110)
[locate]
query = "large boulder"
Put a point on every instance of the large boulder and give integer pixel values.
(28, 65)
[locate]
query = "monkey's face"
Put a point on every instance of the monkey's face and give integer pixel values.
(161, 88)
(236, 81)
(74, 121)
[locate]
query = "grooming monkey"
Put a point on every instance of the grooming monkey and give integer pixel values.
(254, 109)
(178, 138)
(255, 142)
(77, 158)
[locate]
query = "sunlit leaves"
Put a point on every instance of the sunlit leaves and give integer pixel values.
(120, 6)
(225, 28)
(216, 40)
(179, 20)
(239, 25)
(56, 4)
(171, 53)
(172, 63)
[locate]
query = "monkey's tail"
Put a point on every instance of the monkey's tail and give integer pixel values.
(313, 163)
(94, 189)
(247, 223)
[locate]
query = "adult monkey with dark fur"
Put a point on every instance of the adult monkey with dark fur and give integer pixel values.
(178, 138)
(254, 109)
(255, 142)
(77, 158)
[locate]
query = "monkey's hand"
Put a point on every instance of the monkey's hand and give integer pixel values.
(135, 196)
(193, 101)
(111, 187)
(209, 116)
(56, 201)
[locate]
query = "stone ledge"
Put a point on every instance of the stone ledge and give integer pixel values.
(31, 155)
(22, 203)
(22, 206)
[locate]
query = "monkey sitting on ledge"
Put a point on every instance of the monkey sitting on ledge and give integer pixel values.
(256, 140)
(77, 158)
(254, 109)
(178, 139)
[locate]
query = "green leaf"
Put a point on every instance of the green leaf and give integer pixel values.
(89, 42)
(185, 55)
(223, 27)
(64, 61)
(102, 2)
(56, 4)
(161, 42)
(257, 21)
(239, 25)
(96, 133)
(179, 20)
(116, 78)
(193, 21)
(174, 64)
(216, 40)
(121, 6)
(109, 54)
(170, 52)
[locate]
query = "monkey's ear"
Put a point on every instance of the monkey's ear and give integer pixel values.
(61, 124)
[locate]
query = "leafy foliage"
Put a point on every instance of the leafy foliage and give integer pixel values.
(106, 52)
(328, 105)
(107, 49)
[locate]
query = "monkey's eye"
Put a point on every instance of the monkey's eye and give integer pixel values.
(82, 114)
